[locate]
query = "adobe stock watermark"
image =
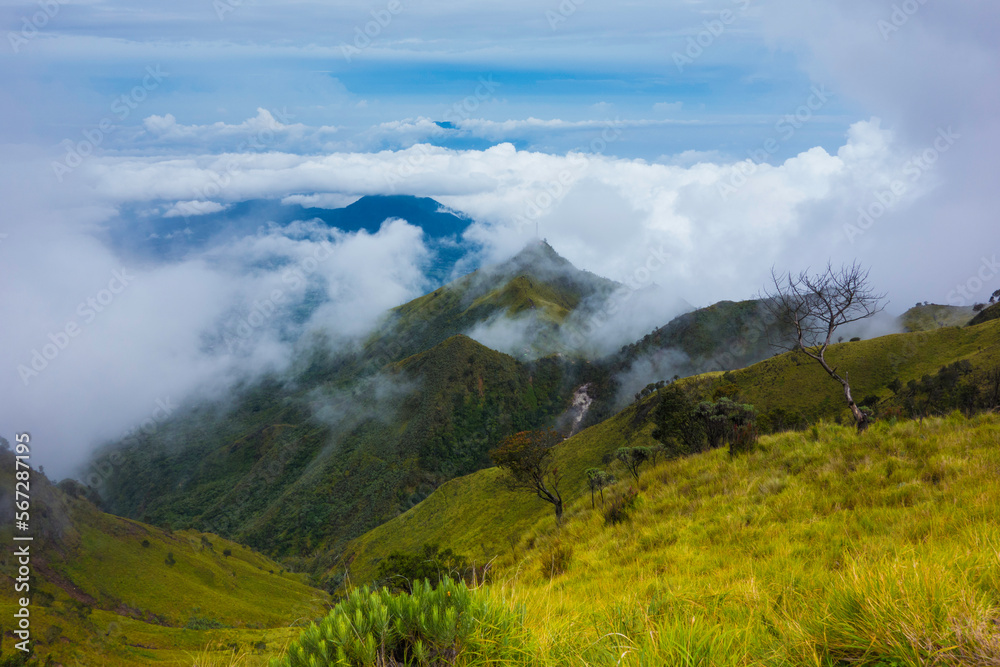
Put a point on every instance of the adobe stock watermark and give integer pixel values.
(901, 15)
(121, 108)
(578, 334)
(32, 25)
(462, 109)
(223, 7)
(257, 141)
(785, 129)
(562, 13)
(363, 35)
(713, 29)
(262, 311)
(964, 294)
(554, 190)
(102, 469)
(912, 171)
(87, 310)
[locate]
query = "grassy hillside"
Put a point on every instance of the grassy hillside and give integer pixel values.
(820, 548)
(476, 516)
(113, 591)
(797, 384)
(935, 316)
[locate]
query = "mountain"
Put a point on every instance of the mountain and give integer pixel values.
(162, 234)
(527, 298)
(477, 517)
(298, 464)
(112, 591)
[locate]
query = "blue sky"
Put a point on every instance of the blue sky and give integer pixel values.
(719, 137)
(602, 61)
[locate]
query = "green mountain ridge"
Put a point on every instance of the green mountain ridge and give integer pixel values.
(476, 516)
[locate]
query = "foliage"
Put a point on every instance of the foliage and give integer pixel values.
(728, 423)
(556, 560)
(957, 386)
(447, 625)
(598, 480)
(632, 458)
(526, 459)
(676, 426)
(925, 317)
(399, 570)
(473, 516)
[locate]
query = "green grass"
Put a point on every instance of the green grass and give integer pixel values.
(103, 593)
(821, 548)
(797, 383)
(476, 516)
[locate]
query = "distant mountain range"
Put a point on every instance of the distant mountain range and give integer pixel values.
(163, 234)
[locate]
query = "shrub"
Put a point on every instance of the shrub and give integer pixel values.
(399, 570)
(744, 438)
(169, 560)
(448, 625)
(632, 458)
(620, 507)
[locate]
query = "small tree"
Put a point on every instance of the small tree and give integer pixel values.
(598, 480)
(632, 458)
(527, 462)
(728, 422)
(813, 307)
(676, 427)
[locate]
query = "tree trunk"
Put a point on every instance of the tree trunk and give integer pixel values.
(559, 511)
(860, 418)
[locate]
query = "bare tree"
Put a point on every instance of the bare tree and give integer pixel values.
(813, 307)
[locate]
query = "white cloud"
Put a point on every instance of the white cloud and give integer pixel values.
(605, 214)
(264, 132)
(189, 208)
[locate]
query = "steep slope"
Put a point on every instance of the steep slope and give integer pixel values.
(108, 590)
(289, 473)
(820, 548)
(348, 439)
(535, 284)
(477, 517)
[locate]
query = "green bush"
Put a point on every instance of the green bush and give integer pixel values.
(448, 625)
(399, 570)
